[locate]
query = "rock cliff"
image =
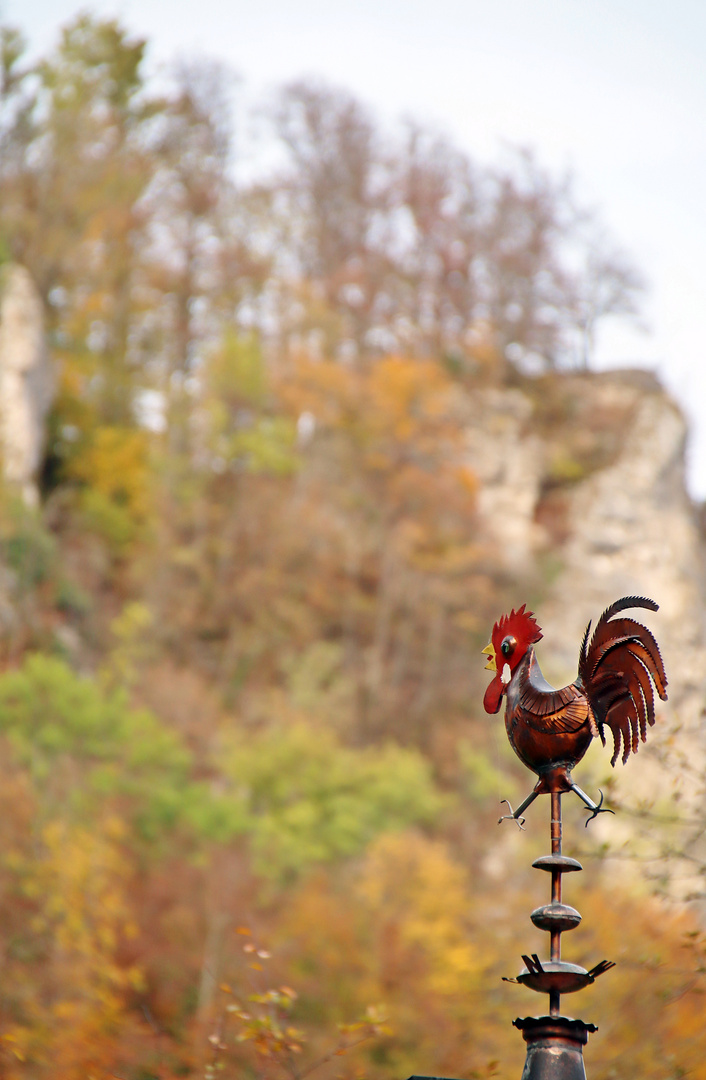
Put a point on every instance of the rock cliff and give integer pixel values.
(26, 383)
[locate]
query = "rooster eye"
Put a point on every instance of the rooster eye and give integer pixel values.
(508, 646)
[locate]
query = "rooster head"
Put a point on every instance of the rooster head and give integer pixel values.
(511, 638)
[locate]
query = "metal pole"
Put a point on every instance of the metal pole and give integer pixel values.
(555, 949)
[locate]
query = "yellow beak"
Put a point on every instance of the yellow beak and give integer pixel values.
(490, 651)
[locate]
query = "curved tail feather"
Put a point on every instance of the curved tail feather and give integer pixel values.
(617, 668)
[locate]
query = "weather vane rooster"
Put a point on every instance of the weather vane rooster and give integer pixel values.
(550, 730)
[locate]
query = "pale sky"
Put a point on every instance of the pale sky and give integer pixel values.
(614, 90)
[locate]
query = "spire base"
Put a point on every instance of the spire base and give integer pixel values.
(554, 1047)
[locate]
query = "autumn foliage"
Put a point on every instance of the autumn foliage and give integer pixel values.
(248, 796)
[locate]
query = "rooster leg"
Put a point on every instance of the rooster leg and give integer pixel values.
(517, 814)
(597, 808)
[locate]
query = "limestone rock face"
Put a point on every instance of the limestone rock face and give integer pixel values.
(507, 458)
(26, 384)
(633, 531)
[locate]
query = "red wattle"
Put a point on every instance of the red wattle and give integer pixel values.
(493, 696)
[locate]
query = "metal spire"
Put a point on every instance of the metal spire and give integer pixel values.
(555, 1042)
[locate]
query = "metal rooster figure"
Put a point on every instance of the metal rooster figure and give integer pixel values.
(550, 730)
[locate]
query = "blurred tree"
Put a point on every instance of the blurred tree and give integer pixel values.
(79, 881)
(333, 199)
(404, 244)
(436, 187)
(310, 800)
(88, 748)
(526, 287)
(199, 268)
(71, 191)
(392, 441)
(246, 430)
(263, 1026)
(607, 285)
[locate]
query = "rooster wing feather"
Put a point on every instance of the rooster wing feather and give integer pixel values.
(547, 710)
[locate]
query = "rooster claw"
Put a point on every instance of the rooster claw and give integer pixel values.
(520, 821)
(599, 808)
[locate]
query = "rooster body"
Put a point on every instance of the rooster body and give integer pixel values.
(550, 730)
